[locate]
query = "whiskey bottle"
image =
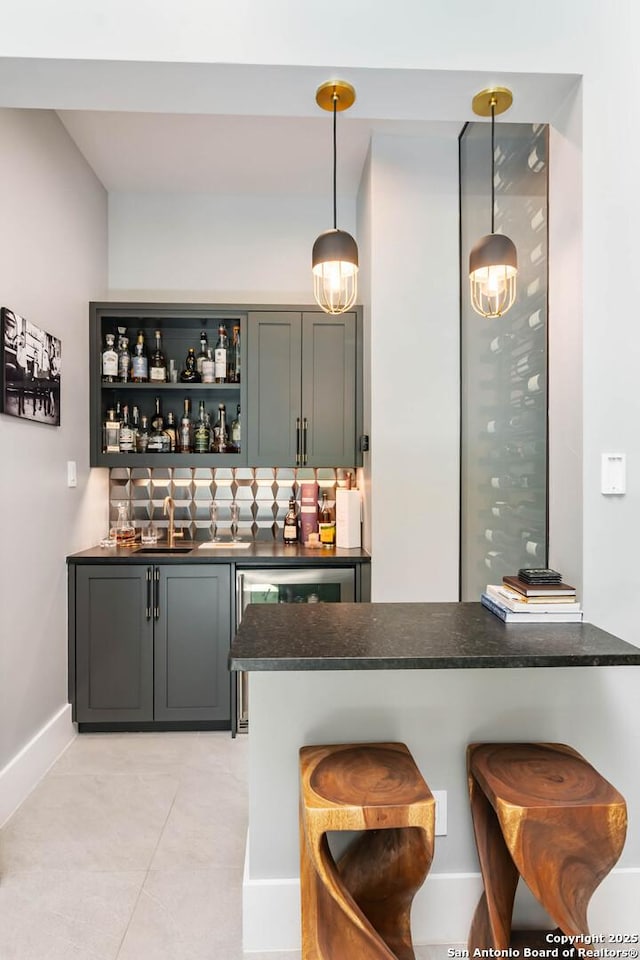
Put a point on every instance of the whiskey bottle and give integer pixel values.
(290, 528)
(208, 368)
(171, 428)
(236, 430)
(109, 360)
(202, 431)
(124, 361)
(126, 432)
(189, 373)
(202, 356)
(185, 433)
(158, 438)
(158, 364)
(220, 433)
(135, 425)
(140, 361)
(220, 355)
(142, 440)
(157, 421)
(111, 433)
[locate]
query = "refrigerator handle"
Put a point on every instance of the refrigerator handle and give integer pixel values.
(239, 595)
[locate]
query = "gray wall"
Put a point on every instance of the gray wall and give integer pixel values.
(52, 262)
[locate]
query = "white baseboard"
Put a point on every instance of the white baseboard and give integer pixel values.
(28, 767)
(441, 913)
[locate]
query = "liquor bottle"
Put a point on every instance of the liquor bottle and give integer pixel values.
(171, 428)
(326, 523)
(290, 528)
(185, 433)
(124, 360)
(159, 441)
(126, 432)
(111, 433)
(157, 421)
(189, 373)
(135, 425)
(142, 440)
(158, 363)
(140, 361)
(236, 430)
(220, 355)
(202, 356)
(208, 368)
(220, 433)
(109, 360)
(202, 431)
(237, 355)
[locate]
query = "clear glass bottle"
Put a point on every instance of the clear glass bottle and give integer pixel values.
(202, 431)
(326, 523)
(220, 355)
(135, 425)
(290, 532)
(126, 440)
(202, 356)
(124, 361)
(142, 440)
(159, 441)
(220, 433)
(109, 360)
(237, 356)
(158, 363)
(111, 433)
(185, 433)
(236, 438)
(125, 530)
(140, 361)
(157, 419)
(208, 368)
(171, 428)
(189, 373)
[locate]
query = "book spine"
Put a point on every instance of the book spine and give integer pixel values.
(494, 607)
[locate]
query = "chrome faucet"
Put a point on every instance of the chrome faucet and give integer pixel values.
(169, 510)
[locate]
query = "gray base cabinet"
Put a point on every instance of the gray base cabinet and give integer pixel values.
(151, 643)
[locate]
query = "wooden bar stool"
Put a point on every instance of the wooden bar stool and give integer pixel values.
(540, 812)
(360, 907)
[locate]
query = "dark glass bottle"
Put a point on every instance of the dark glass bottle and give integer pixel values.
(204, 343)
(158, 364)
(171, 428)
(189, 374)
(142, 440)
(140, 361)
(220, 433)
(290, 532)
(202, 431)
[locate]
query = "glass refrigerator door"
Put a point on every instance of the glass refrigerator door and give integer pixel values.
(295, 586)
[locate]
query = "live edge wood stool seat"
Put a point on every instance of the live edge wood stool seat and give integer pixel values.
(359, 908)
(541, 812)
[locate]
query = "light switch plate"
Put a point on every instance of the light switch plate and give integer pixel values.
(72, 474)
(614, 474)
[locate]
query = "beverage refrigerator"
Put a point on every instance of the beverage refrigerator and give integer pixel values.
(290, 585)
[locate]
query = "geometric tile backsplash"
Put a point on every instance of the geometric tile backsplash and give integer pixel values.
(262, 494)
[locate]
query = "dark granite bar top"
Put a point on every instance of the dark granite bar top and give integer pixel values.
(413, 636)
(260, 553)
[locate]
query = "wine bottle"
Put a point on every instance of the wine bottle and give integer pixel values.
(220, 355)
(208, 368)
(290, 529)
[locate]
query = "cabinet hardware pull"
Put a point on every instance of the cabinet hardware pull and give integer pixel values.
(148, 608)
(156, 593)
(298, 449)
(305, 424)
(239, 594)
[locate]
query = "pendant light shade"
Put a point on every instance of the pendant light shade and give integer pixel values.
(493, 261)
(334, 259)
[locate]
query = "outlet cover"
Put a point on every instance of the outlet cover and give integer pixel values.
(440, 796)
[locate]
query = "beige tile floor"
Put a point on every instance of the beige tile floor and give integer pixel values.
(132, 848)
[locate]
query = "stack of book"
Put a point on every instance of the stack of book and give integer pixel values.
(533, 596)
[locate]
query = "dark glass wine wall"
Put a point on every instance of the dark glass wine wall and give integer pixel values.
(504, 361)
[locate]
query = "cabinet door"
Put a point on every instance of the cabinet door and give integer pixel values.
(273, 387)
(329, 389)
(114, 644)
(192, 640)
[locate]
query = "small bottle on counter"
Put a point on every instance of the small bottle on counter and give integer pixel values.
(290, 530)
(326, 523)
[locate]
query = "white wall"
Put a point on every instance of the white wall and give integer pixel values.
(52, 262)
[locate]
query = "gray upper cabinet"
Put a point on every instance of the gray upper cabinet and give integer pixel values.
(303, 389)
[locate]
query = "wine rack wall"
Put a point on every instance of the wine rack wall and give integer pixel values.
(504, 463)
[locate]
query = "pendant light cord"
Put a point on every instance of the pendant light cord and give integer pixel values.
(335, 106)
(493, 155)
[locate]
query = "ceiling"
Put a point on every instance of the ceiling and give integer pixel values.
(231, 129)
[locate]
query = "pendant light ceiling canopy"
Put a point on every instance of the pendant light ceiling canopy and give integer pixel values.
(334, 257)
(493, 261)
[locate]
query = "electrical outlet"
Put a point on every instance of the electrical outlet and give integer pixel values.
(440, 796)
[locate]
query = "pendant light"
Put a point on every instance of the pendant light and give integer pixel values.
(493, 261)
(335, 253)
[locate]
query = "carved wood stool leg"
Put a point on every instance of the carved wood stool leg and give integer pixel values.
(360, 908)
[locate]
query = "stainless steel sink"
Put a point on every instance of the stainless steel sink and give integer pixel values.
(165, 548)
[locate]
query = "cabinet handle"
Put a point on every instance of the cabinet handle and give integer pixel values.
(298, 448)
(239, 597)
(148, 608)
(305, 424)
(156, 593)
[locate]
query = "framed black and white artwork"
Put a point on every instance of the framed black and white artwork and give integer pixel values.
(30, 369)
